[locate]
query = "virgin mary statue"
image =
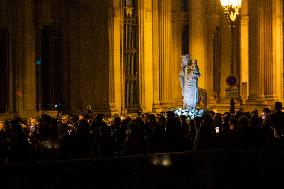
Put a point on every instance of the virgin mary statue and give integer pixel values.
(189, 75)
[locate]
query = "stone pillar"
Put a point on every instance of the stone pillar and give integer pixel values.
(6, 25)
(277, 43)
(146, 54)
(29, 82)
(197, 39)
(156, 55)
(266, 49)
(98, 58)
(17, 57)
(244, 49)
(75, 38)
(92, 35)
(164, 48)
(225, 56)
(255, 90)
(115, 15)
(214, 21)
(176, 52)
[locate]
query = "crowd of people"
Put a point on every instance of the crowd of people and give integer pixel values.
(91, 135)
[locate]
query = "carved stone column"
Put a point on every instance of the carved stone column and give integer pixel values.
(5, 27)
(244, 50)
(277, 43)
(223, 35)
(29, 82)
(266, 49)
(146, 54)
(214, 22)
(164, 48)
(92, 61)
(197, 39)
(74, 63)
(255, 90)
(115, 32)
(176, 52)
(17, 54)
(155, 58)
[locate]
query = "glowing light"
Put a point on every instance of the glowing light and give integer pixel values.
(161, 160)
(166, 161)
(231, 2)
(190, 113)
(232, 8)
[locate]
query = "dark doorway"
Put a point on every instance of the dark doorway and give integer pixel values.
(51, 68)
(4, 70)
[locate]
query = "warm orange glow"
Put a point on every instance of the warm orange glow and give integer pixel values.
(231, 8)
(235, 3)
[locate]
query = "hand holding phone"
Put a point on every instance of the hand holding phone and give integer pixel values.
(217, 130)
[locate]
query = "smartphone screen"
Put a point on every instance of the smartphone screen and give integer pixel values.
(217, 130)
(263, 115)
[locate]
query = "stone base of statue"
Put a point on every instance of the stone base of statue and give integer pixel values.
(190, 113)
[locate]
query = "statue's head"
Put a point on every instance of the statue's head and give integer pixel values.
(185, 60)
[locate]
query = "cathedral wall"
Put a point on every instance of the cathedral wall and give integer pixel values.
(93, 52)
(89, 55)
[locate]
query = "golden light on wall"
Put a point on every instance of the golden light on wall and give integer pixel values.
(232, 8)
(129, 7)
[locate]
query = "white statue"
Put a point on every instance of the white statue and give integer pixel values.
(189, 75)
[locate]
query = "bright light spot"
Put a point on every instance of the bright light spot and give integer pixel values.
(231, 2)
(166, 161)
(161, 160)
(190, 113)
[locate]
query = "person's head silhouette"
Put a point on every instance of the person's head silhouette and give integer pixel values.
(278, 106)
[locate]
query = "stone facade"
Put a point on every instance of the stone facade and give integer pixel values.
(93, 62)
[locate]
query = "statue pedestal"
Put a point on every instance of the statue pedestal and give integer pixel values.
(190, 113)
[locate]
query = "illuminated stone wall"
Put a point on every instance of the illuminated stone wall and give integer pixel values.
(93, 46)
(89, 55)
